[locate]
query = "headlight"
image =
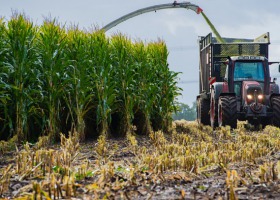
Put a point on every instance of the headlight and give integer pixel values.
(260, 97)
(249, 96)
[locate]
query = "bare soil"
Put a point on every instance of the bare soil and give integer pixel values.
(121, 182)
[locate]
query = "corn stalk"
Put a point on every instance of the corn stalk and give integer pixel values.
(78, 94)
(21, 63)
(166, 88)
(125, 76)
(104, 80)
(52, 47)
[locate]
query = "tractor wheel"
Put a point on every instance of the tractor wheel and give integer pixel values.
(214, 113)
(227, 111)
(203, 107)
(265, 121)
(275, 103)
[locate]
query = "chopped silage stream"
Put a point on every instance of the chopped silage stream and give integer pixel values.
(190, 162)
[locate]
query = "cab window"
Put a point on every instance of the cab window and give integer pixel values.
(248, 70)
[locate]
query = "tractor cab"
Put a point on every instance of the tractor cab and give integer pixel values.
(246, 77)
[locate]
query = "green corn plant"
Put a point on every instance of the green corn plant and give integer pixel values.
(52, 46)
(170, 91)
(21, 62)
(125, 77)
(60, 79)
(166, 90)
(146, 89)
(104, 80)
(79, 93)
(156, 115)
(5, 96)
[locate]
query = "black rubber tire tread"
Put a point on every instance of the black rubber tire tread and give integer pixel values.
(275, 103)
(215, 124)
(203, 111)
(265, 121)
(228, 110)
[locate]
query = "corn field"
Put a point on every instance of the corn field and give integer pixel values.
(55, 79)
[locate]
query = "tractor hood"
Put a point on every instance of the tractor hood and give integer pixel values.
(250, 85)
(250, 92)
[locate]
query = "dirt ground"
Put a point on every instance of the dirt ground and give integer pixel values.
(119, 170)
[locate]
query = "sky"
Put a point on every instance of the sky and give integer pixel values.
(179, 28)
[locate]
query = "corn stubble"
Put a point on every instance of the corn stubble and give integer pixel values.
(188, 153)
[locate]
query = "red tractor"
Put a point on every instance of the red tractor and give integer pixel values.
(235, 83)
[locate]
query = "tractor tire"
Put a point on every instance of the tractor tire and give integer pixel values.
(214, 113)
(227, 110)
(275, 103)
(265, 122)
(203, 107)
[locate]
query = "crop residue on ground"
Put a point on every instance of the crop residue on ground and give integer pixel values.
(190, 162)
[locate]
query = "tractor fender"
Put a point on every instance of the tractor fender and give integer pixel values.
(274, 94)
(217, 88)
(227, 94)
(202, 96)
(273, 88)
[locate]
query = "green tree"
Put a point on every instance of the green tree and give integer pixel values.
(185, 112)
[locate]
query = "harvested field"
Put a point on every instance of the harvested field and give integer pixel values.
(189, 162)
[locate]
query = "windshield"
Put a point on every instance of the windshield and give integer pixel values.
(248, 70)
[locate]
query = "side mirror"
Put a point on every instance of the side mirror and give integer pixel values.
(279, 69)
